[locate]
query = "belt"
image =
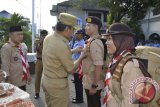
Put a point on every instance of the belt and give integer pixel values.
(39, 58)
(55, 77)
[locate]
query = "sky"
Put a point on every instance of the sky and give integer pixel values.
(24, 7)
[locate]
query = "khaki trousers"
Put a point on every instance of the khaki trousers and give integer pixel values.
(38, 72)
(56, 92)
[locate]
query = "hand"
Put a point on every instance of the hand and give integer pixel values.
(2, 75)
(83, 54)
(78, 49)
(92, 91)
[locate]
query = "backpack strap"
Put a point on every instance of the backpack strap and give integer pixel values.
(119, 69)
(105, 48)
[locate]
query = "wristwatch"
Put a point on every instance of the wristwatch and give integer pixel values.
(94, 86)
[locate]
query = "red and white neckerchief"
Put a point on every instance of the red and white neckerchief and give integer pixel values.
(108, 77)
(80, 72)
(24, 64)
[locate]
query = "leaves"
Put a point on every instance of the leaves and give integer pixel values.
(15, 20)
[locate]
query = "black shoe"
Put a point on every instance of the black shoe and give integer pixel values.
(74, 101)
(72, 80)
(36, 96)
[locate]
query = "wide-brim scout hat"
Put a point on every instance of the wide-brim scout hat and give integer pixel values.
(94, 20)
(69, 20)
(119, 29)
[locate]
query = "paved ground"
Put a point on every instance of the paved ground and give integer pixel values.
(41, 102)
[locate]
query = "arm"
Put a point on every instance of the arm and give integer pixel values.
(78, 61)
(76, 50)
(131, 72)
(6, 60)
(97, 52)
(97, 74)
(66, 59)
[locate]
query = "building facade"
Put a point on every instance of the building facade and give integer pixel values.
(82, 13)
(151, 23)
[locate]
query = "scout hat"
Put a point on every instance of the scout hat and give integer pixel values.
(94, 20)
(68, 19)
(15, 29)
(119, 28)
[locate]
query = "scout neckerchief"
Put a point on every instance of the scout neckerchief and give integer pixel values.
(24, 64)
(108, 77)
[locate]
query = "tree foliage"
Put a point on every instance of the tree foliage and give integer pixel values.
(128, 11)
(15, 20)
(132, 8)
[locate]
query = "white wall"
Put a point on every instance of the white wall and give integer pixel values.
(150, 24)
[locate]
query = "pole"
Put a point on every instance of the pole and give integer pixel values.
(40, 13)
(33, 26)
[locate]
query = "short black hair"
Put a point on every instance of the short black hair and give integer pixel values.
(44, 32)
(61, 27)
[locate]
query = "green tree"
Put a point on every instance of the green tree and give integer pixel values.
(132, 8)
(16, 19)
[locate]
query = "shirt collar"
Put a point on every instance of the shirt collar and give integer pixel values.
(95, 37)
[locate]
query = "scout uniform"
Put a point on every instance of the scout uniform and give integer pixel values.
(119, 96)
(57, 63)
(125, 73)
(12, 63)
(38, 69)
(39, 65)
(95, 55)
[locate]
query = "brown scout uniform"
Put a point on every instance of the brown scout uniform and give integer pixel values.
(38, 68)
(94, 57)
(119, 91)
(57, 63)
(12, 63)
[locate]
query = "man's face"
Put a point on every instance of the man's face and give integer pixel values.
(16, 37)
(42, 36)
(90, 28)
(69, 32)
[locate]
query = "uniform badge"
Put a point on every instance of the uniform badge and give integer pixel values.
(15, 58)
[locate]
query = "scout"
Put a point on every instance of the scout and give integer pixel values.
(14, 59)
(92, 64)
(39, 66)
